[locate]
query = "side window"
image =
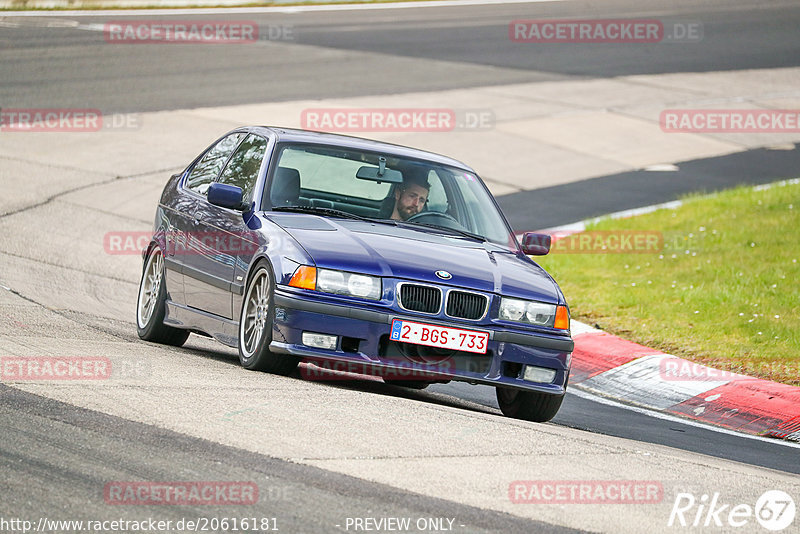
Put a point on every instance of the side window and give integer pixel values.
(242, 169)
(209, 165)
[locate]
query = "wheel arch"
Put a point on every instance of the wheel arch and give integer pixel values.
(239, 295)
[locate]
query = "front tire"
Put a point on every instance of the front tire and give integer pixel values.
(151, 305)
(528, 405)
(255, 326)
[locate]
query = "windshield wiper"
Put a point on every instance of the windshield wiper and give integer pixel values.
(317, 210)
(464, 233)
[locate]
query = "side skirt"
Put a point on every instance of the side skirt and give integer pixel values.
(223, 330)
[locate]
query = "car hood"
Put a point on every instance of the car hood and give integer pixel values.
(409, 254)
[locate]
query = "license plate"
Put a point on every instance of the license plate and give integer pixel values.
(439, 336)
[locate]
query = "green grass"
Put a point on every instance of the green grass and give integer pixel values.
(724, 291)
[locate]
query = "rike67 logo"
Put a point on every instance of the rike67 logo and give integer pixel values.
(774, 510)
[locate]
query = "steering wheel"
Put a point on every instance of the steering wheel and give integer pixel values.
(437, 218)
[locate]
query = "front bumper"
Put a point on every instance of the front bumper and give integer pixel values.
(363, 340)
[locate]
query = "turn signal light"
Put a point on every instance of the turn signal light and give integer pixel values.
(305, 277)
(562, 318)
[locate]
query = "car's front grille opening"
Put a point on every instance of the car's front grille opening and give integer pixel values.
(512, 369)
(466, 305)
(423, 299)
(350, 344)
(439, 359)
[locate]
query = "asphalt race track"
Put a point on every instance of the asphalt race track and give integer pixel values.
(378, 52)
(323, 453)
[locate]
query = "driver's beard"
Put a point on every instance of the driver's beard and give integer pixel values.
(407, 213)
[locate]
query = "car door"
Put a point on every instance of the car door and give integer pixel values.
(181, 242)
(222, 236)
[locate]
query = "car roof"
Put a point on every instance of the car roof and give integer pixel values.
(292, 135)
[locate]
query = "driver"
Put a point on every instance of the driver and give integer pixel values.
(410, 196)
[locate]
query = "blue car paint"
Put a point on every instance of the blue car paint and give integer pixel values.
(412, 255)
(205, 287)
(286, 338)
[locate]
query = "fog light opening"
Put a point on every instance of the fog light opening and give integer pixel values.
(319, 341)
(540, 375)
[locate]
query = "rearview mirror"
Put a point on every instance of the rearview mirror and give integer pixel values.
(535, 244)
(373, 173)
(226, 196)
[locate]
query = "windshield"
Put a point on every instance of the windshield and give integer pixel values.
(383, 186)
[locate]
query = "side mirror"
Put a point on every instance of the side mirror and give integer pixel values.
(226, 196)
(535, 244)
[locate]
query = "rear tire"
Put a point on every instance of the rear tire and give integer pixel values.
(151, 305)
(255, 326)
(528, 405)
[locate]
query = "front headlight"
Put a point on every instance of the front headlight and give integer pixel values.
(535, 313)
(339, 283)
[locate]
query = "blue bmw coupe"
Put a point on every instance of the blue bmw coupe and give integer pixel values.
(302, 246)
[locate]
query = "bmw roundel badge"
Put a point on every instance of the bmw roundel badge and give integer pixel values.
(444, 275)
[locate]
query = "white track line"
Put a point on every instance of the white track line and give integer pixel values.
(675, 419)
